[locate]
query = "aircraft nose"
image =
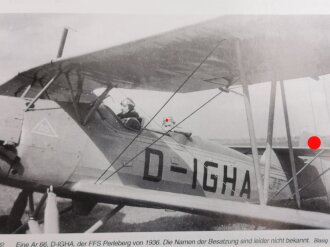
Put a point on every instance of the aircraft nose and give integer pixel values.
(4, 167)
(9, 162)
(11, 121)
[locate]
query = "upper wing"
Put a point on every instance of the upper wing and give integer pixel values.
(272, 47)
(199, 205)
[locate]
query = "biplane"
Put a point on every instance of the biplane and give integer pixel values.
(56, 132)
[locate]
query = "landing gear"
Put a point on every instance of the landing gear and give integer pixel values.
(51, 221)
(9, 161)
(12, 223)
(105, 218)
(9, 223)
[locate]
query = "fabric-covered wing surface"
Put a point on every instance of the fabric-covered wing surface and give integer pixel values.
(199, 205)
(272, 47)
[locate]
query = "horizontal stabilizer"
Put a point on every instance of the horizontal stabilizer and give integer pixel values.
(308, 178)
(298, 151)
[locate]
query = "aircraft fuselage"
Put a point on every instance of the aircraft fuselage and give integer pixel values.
(56, 149)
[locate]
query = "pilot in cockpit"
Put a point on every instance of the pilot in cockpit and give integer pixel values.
(128, 115)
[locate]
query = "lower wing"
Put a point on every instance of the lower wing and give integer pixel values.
(199, 205)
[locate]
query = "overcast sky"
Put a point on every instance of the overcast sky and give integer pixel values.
(28, 40)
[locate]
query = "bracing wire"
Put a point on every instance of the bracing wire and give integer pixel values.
(158, 125)
(183, 146)
(168, 100)
(162, 135)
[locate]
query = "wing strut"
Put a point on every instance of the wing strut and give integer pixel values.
(105, 218)
(291, 155)
(51, 81)
(248, 110)
(73, 98)
(269, 145)
(63, 39)
(97, 103)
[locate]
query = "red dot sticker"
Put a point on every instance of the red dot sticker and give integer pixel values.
(314, 142)
(166, 120)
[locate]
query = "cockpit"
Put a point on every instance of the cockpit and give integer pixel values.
(82, 94)
(130, 123)
(132, 117)
(128, 115)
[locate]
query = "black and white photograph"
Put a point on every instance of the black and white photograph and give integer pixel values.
(164, 122)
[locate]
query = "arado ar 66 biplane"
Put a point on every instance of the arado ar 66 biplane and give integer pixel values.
(55, 132)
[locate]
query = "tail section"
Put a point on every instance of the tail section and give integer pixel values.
(309, 179)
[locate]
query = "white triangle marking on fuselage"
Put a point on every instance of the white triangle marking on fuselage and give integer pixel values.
(44, 128)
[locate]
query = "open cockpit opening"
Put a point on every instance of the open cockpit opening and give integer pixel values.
(88, 92)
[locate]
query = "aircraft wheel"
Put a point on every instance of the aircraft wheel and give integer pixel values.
(6, 227)
(9, 223)
(3, 223)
